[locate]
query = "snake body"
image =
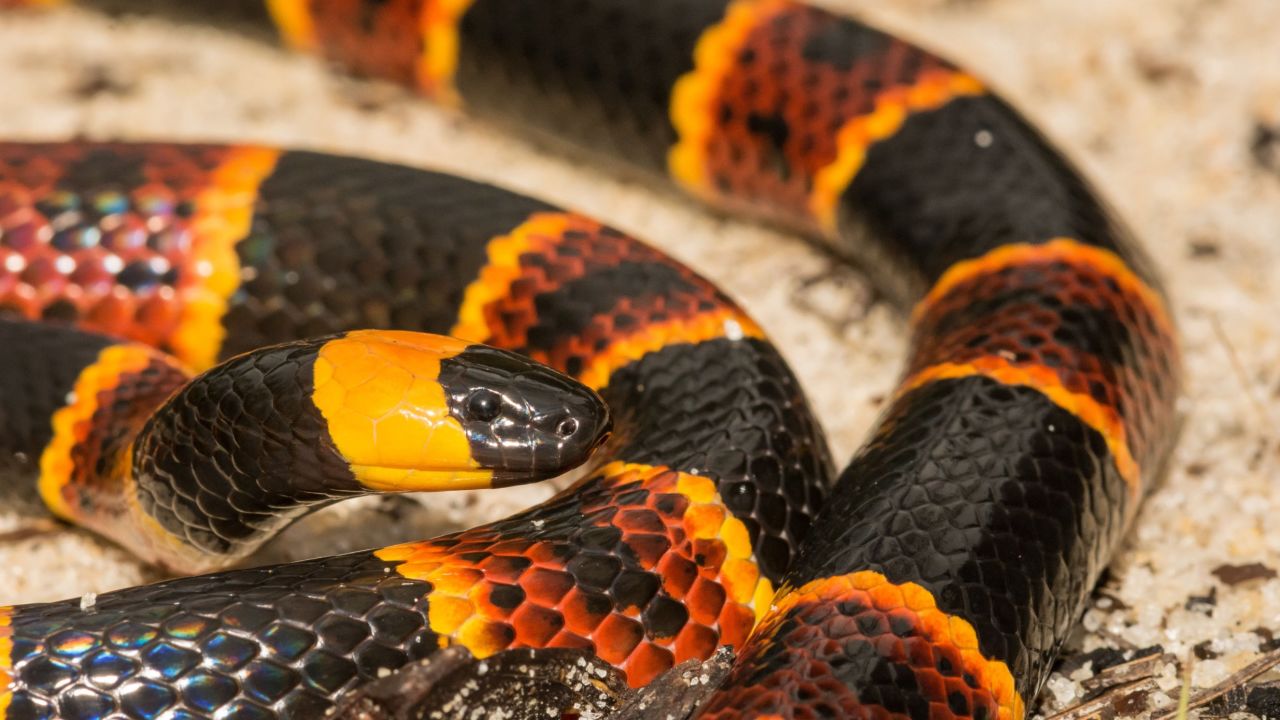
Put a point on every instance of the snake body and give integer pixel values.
(937, 577)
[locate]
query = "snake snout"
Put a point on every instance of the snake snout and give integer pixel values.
(524, 421)
(565, 423)
(566, 438)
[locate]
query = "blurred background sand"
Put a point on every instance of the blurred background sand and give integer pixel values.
(1171, 106)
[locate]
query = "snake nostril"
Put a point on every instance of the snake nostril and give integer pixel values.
(567, 427)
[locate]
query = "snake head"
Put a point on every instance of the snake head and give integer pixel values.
(522, 419)
(410, 411)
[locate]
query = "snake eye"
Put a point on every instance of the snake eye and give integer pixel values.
(484, 405)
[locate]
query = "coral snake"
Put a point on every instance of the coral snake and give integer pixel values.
(937, 577)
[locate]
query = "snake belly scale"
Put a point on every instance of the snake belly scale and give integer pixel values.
(937, 576)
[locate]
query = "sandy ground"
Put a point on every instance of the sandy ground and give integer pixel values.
(1172, 106)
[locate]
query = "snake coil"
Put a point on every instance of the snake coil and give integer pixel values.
(937, 576)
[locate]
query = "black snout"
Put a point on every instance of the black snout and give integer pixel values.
(568, 436)
(523, 420)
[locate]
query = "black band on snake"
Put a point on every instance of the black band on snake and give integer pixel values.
(937, 577)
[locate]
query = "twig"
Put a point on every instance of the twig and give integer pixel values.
(1114, 684)
(1234, 680)
(1125, 673)
(1184, 694)
(1096, 706)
